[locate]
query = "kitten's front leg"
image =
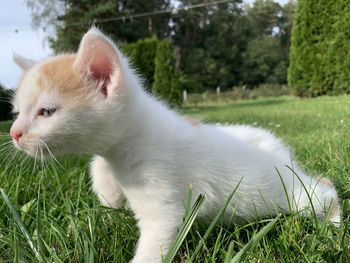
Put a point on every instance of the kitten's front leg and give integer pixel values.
(104, 183)
(155, 239)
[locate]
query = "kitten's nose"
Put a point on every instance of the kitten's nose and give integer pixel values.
(16, 134)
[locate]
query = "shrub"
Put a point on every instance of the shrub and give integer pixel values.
(239, 93)
(143, 53)
(166, 81)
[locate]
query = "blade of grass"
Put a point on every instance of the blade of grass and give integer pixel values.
(229, 253)
(26, 207)
(213, 224)
(308, 196)
(188, 202)
(239, 257)
(52, 253)
(186, 226)
(217, 245)
(284, 189)
(38, 223)
(21, 226)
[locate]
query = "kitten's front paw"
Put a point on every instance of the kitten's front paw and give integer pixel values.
(104, 183)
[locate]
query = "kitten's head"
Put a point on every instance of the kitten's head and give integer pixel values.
(67, 104)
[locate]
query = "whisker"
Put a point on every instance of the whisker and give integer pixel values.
(51, 154)
(5, 136)
(9, 154)
(52, 161)
(35, 157)
(5, 143)
(42, 158)
(4, 147)
(23, 164)
(42, 161)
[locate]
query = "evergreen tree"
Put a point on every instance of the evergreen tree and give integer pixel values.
(166, 83)
(76, 17)
(319, 53)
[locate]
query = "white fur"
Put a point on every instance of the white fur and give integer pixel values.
(261, 138)
(150, 154)
(104, 185)
(22, 62)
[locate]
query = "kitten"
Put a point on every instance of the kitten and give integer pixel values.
(93, 102)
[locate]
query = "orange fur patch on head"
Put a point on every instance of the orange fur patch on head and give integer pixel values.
(59, 73)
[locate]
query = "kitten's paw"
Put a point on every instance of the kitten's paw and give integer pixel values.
(104, 184)
(334, 211)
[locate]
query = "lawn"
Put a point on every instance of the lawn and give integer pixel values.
(66, 223)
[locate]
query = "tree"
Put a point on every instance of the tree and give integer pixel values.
(285, 24)
(75, 18)
(212, 43)
(211, 40)
(265, 15)
(319, 52)
(267, 56)
(265, 62)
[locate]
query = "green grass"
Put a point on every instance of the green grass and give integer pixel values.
(65, 223)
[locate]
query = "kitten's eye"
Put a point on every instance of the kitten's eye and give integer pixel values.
(47, 112)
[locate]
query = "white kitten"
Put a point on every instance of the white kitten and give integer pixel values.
(92, 102)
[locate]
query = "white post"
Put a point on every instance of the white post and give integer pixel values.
(218, 91)
(184, 95)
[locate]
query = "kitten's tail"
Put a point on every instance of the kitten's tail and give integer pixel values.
(324, 198)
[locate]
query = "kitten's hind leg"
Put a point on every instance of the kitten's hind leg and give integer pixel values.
(104, 183)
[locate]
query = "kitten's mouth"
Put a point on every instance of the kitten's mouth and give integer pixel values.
(34, 150)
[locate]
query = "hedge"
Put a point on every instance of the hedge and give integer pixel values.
(143, 53)
(154, 60)
(320, 50)
(166, 81)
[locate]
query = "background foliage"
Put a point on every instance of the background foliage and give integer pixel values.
(320, 54)
(142, 54)
(226, 45)
(5, 105)
(166, 84)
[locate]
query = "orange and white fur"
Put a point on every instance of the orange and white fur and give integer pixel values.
(92, 102)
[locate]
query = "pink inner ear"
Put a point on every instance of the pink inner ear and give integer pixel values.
(101, 69)
(98, 58)
(101, 66)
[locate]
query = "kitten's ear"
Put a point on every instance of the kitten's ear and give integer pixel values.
(97, 58)
(22, 62)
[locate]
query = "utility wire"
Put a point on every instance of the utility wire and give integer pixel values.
(173, 11)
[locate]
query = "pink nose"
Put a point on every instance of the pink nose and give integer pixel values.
(16, 134)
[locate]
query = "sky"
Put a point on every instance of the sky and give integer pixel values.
(29, 43)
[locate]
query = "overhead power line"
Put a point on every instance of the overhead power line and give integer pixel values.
(173, 11)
